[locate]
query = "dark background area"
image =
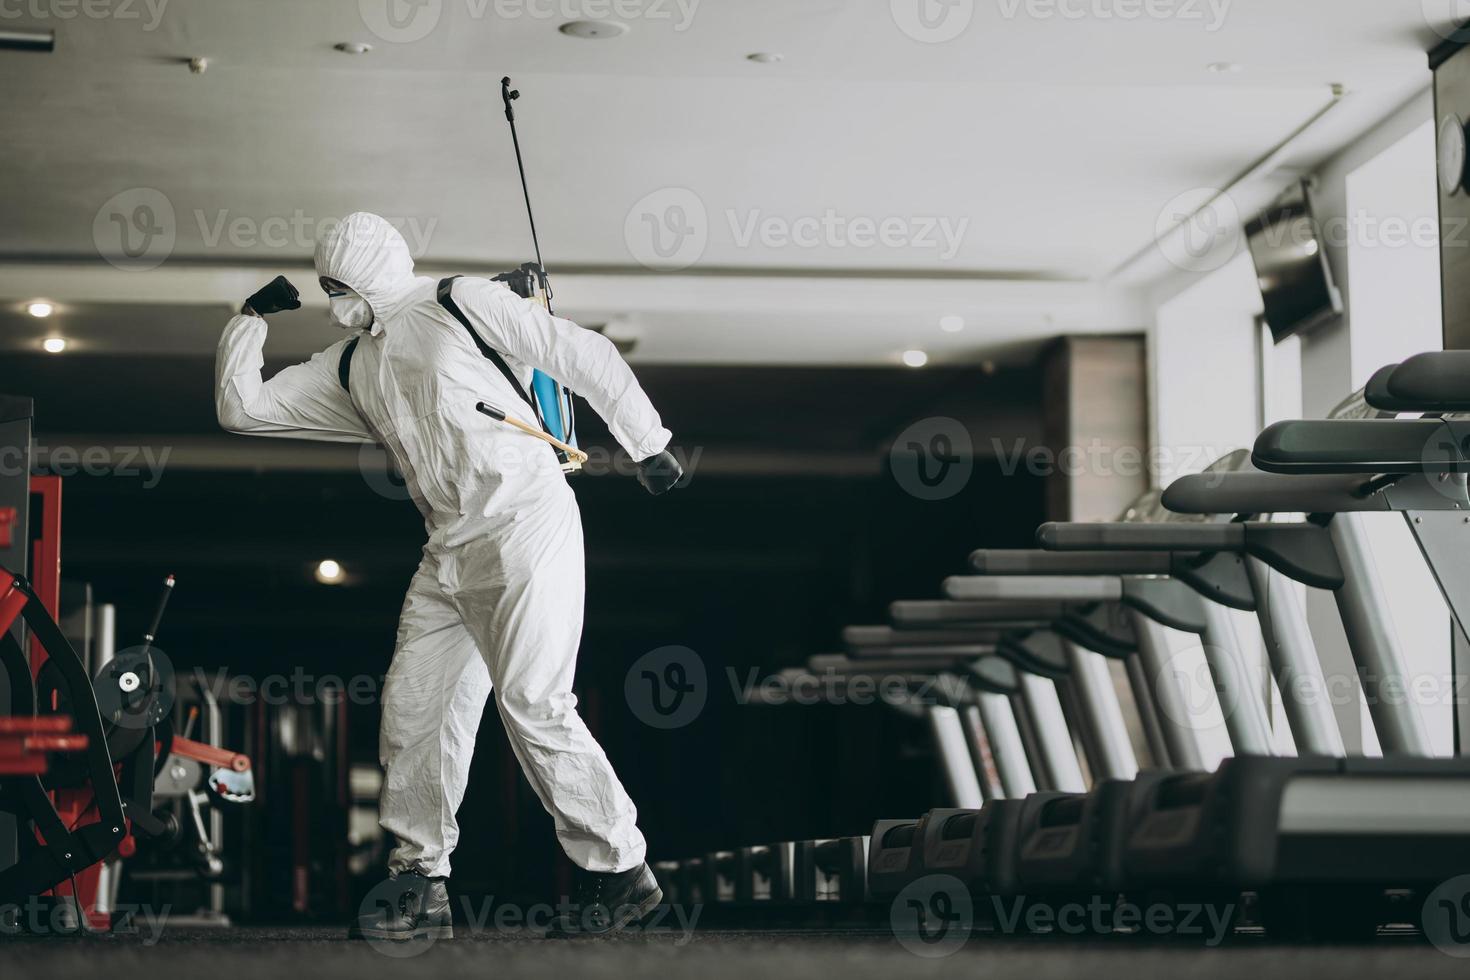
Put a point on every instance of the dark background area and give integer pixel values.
(757, 564)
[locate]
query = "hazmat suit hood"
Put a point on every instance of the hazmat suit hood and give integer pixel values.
(367, 254)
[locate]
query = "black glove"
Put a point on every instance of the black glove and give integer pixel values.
(660, 472)
(275, 296)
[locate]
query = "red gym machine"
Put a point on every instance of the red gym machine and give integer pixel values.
(78, 776)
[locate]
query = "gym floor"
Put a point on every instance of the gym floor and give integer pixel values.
(247, 954)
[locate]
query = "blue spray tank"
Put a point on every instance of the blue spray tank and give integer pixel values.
(553, 399)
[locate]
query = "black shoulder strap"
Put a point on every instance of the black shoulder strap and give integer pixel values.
(344, 364)
(446, 300)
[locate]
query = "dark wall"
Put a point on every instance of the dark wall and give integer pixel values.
(748, 571)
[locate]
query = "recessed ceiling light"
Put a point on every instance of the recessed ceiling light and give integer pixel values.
(352, 47)
(40, 309)
(951, 324)
(915, 358)
(1226, 68)
(53, 345)
(594, 30)
(765, 57)
(329, 572)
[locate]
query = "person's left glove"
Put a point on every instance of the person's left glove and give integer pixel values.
(274, 297)
(660, 472)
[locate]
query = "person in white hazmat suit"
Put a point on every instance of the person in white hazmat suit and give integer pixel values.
(496, 603)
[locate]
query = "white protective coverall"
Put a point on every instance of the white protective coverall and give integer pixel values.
(496, 603)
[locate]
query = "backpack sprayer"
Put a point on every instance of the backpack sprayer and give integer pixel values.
(551, 400)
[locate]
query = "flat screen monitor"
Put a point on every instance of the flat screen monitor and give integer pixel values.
(1291, 265)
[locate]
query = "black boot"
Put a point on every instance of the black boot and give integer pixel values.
(607, 902)
(405, 907)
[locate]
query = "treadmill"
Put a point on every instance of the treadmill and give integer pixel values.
(1322, 839)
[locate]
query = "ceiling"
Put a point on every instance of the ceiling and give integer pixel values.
(833, 206)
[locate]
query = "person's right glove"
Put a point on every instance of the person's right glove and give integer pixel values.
(275, 296)
(660, 472)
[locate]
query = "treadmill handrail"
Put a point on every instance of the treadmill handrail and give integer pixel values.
(1423, 445)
